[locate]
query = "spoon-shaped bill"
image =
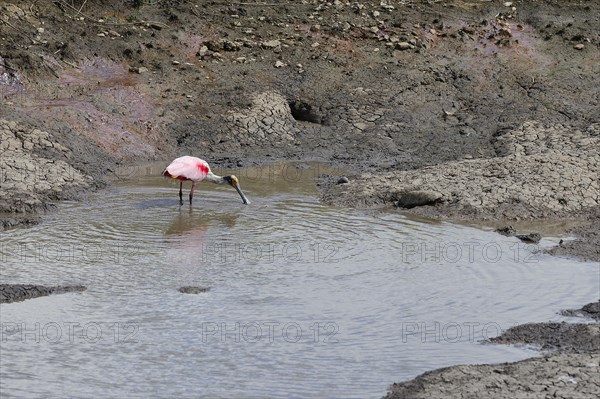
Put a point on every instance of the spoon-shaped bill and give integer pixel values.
(244, 199)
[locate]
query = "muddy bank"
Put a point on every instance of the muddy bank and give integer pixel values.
(587, 244)
(564, 375)
(374, 86)
(591, 310)
(539, 173)
(567, 337)
(20, 292)
(571, 371)
(34, 170)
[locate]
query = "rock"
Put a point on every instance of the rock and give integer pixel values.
(202, 51)
(403, 46)
(412, 199)
(214, 45)
(175, 62)
(40, 30)
(101, 34)
(279, 64)
(19, 292)
(533, 238)
(343, 180)
(228, 45)
(138, 70)
(507, 231)
(593, 308)
(579, 46)
(508, 4)
(270, 44)
(193, 290)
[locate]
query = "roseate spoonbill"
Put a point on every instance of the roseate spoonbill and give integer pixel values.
(196, 169)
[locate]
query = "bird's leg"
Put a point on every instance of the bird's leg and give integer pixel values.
(180, 193)
(192, 192)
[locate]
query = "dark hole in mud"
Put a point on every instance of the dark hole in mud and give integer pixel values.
(304, 112)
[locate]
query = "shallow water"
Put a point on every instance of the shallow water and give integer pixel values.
(305, 300)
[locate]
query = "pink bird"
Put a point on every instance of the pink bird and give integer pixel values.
(195, 169)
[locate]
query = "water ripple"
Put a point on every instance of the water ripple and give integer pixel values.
(305, 300)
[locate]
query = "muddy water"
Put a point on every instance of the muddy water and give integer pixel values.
(303, 300)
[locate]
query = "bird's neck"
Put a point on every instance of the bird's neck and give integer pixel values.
(211, 177)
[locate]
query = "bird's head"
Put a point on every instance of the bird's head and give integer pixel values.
(232, 180)
(235, 183)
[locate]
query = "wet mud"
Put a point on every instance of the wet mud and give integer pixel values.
(20, 292)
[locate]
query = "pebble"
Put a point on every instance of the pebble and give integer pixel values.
(533, 238)
(579, 46)
(138, 70)
(271, 44)
(507, 231)
(343, 180)
(202, 51)
(279, 64)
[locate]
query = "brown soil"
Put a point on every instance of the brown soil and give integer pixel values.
(380, 87)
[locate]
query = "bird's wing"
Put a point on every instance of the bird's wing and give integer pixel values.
(187, 168)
